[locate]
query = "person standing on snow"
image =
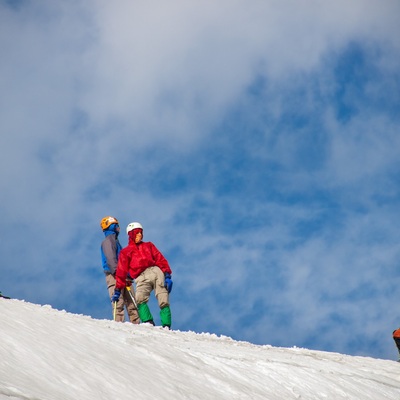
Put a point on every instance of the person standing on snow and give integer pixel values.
(110, 249)
(150, 271)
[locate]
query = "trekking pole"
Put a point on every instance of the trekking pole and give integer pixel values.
(128, 288)
(115, 310)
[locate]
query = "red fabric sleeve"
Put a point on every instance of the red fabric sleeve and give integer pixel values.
(159, 259)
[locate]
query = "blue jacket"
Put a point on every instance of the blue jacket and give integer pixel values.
(110, 248)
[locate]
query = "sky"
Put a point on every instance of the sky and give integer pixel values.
(257, 143)
(51, 354)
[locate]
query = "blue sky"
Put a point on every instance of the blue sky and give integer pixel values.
(258, 145)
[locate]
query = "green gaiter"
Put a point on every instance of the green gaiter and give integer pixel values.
(165, 315)
(144, 312)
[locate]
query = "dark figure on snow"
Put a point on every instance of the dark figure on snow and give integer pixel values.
(396, 338)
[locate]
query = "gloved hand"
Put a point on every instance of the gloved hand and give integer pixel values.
(115, 296)
(168, 282)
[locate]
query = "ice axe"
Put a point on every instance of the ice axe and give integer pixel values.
(128, 288)
(115, 310)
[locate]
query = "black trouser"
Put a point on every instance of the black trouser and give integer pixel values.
(397, 341)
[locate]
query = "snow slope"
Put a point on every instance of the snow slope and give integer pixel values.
(46, 354)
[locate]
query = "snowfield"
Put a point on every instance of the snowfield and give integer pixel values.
(47, 354)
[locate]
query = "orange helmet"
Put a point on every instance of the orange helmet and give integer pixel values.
(107, 221)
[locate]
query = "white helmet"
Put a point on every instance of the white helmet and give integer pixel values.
(132, 226)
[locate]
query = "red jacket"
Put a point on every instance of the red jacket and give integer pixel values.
(135, 258)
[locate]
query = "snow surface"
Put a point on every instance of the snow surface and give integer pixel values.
(47, 354)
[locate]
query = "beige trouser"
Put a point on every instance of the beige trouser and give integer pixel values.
(151, 278)
(124, 301)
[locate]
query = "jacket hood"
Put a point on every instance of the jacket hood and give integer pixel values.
(111, 230)
(132, 234)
